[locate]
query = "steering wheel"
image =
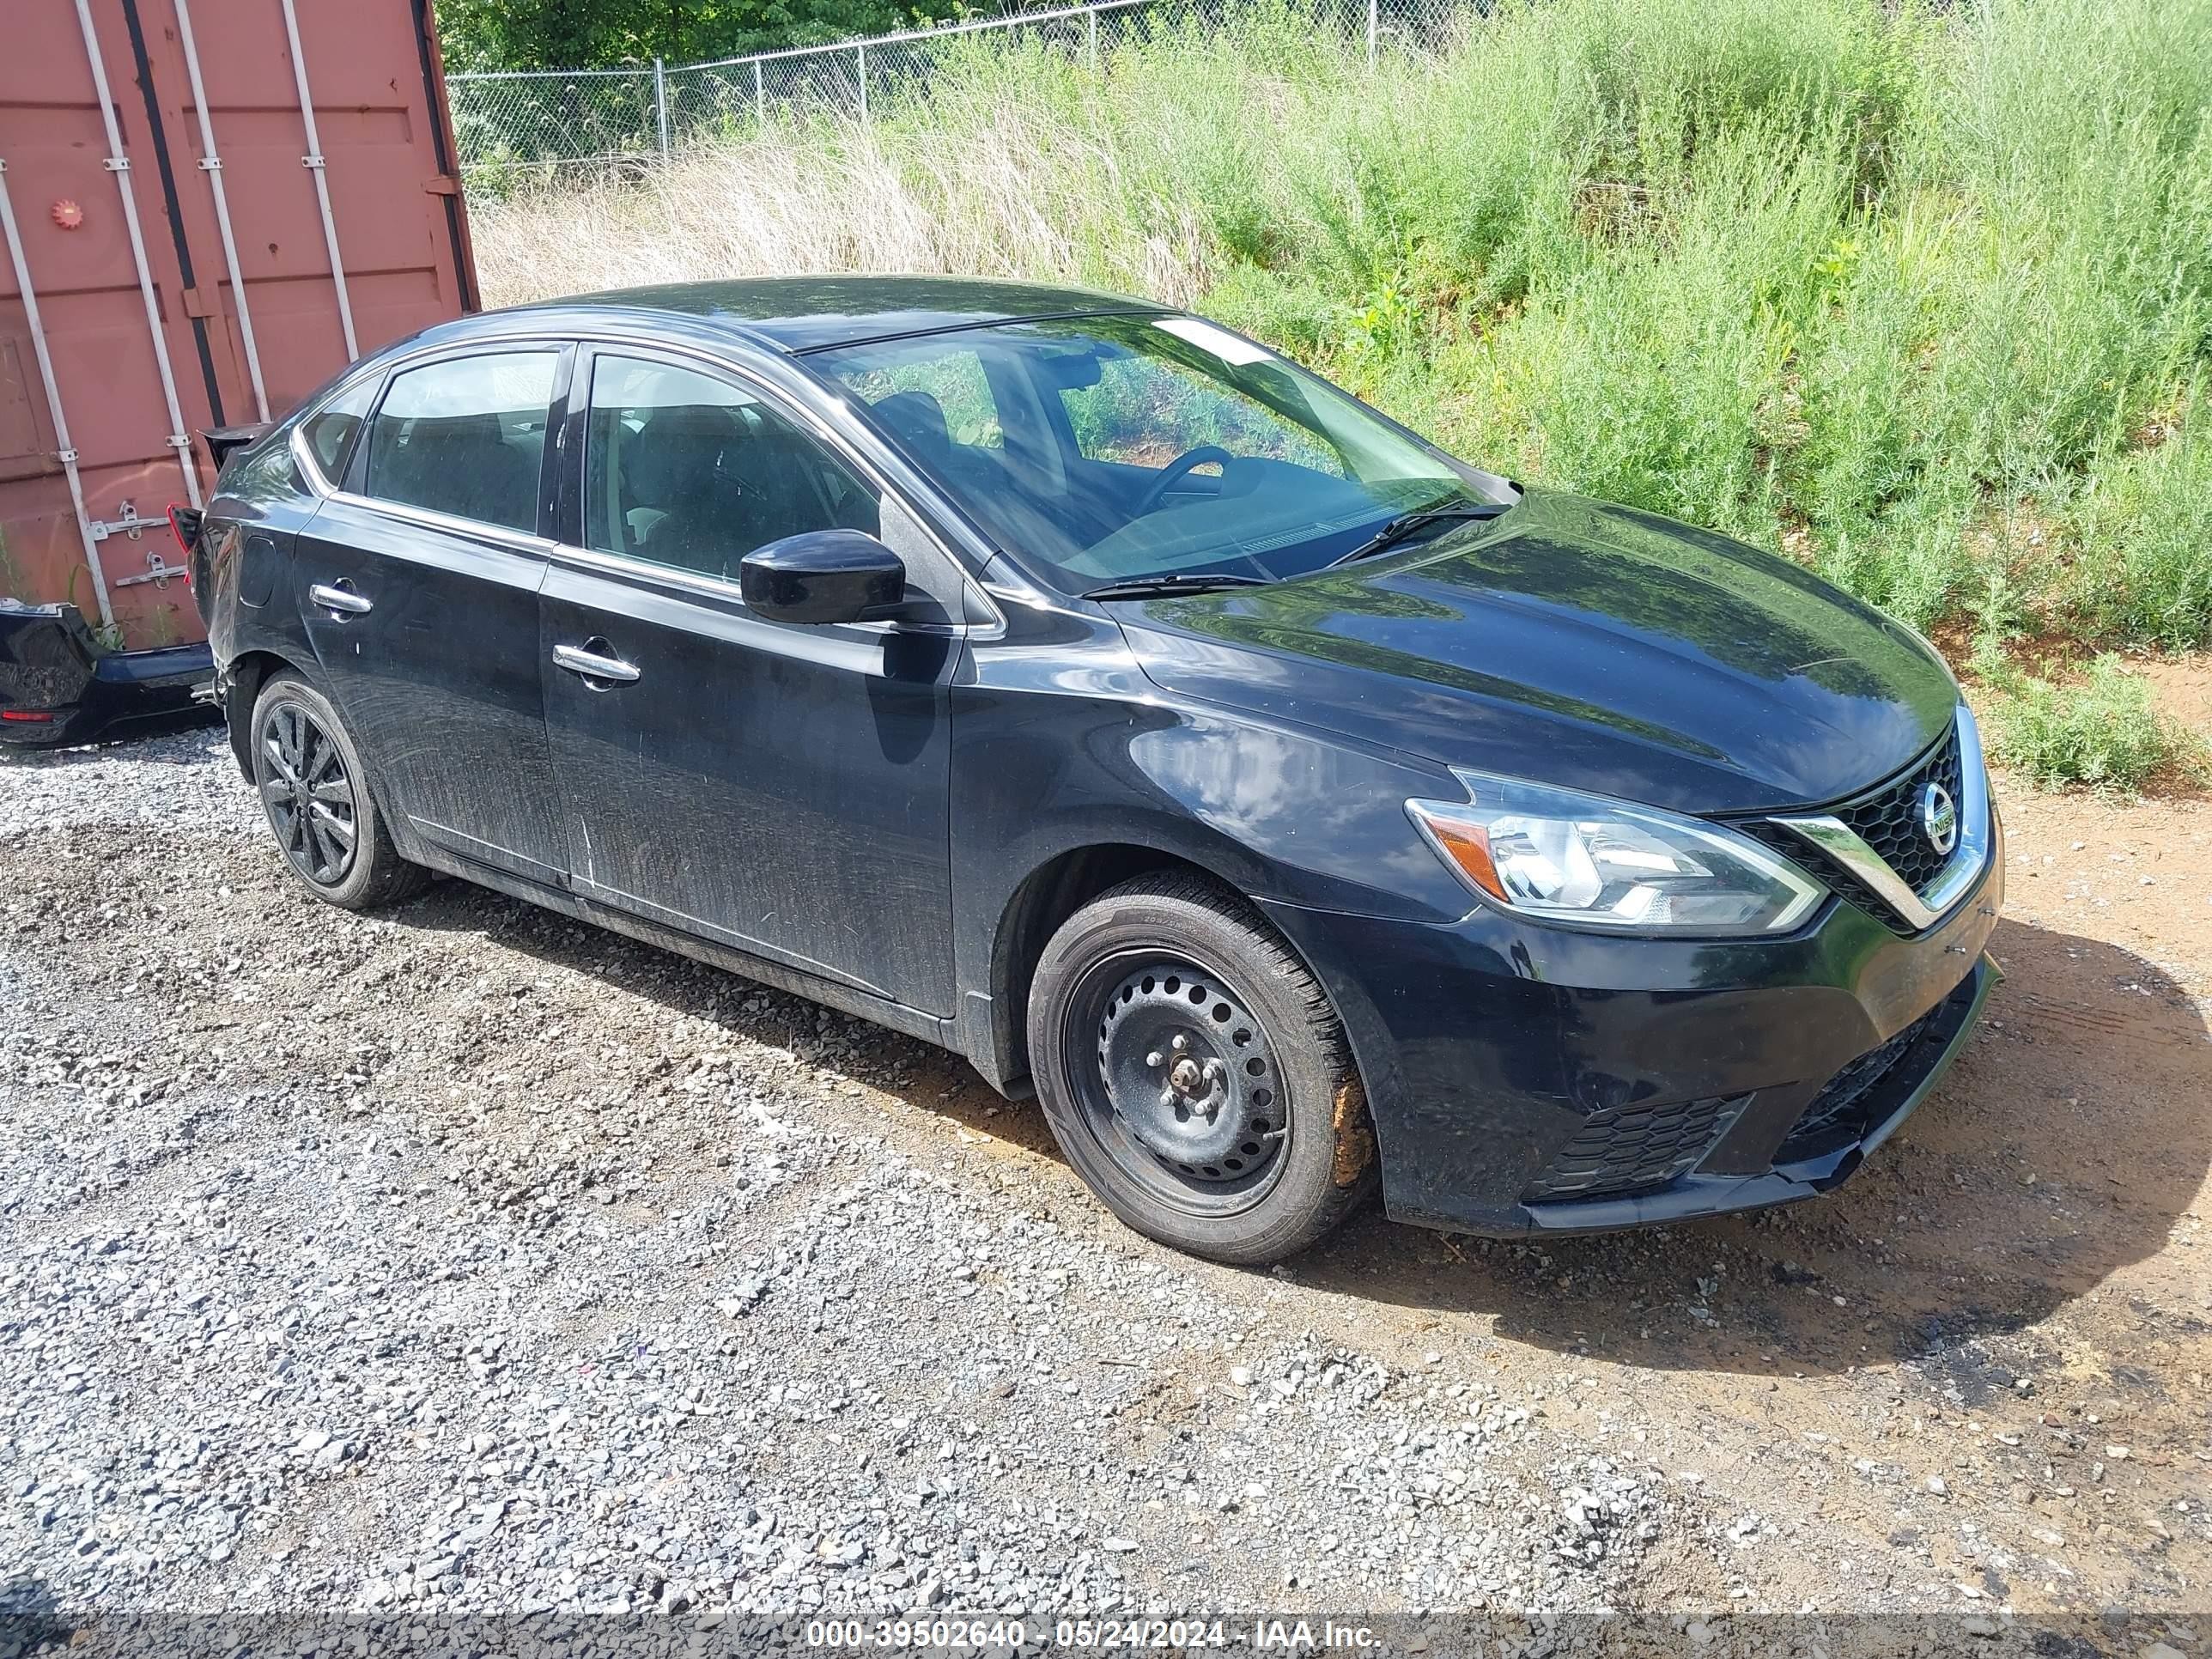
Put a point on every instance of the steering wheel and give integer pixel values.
(1178, 469)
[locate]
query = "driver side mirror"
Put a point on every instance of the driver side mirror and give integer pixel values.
(824, 576)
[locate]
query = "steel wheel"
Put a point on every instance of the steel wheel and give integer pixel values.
(1195, 1074)
(308, 793)
(1178, 1082)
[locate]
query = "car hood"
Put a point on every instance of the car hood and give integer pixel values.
(1572, 643)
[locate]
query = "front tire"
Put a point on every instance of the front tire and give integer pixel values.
(1196, 1075)
(316, 795)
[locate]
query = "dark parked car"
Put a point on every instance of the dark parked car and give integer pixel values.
(1080, 686)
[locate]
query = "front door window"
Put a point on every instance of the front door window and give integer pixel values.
(692, 471)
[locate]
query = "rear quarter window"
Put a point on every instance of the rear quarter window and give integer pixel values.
(331, 430)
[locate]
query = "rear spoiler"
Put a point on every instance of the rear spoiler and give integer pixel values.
(222, 440)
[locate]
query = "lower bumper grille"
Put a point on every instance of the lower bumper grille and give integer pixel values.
(1638, 1148)
(1840, 1113)
(1631, 1151)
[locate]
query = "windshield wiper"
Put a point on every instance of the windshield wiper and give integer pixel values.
(1184, 581)
(1407, 523)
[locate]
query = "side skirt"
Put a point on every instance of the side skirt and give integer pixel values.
(882, 1011)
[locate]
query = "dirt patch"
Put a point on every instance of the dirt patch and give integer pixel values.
(2182, 688)
(1355, 1140)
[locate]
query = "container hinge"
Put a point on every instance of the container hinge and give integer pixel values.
(159, 571)
(130, 524)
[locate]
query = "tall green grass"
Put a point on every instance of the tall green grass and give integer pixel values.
(2102, 730)
(1923, 301)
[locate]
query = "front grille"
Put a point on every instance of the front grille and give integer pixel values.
(1638, 1148)
(1839, 1114)
(1888, 820)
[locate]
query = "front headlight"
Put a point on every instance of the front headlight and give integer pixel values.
(1556, 855)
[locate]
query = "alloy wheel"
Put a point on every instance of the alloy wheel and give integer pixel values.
(308, 793)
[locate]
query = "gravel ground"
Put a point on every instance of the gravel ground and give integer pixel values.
(466, 1260)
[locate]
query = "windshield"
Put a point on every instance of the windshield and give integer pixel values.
(1110, 449)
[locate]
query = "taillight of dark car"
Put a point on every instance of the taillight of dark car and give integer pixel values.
(186, 524)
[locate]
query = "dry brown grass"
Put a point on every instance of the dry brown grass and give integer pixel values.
(1015, 196)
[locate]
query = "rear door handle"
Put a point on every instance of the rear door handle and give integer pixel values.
(594, 660)
(340, 601)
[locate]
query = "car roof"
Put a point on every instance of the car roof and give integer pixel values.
(807, 313)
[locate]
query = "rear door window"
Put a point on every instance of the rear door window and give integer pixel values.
(465, 437)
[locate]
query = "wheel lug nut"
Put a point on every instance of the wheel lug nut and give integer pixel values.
(1156, 1060)
(1179, 1042)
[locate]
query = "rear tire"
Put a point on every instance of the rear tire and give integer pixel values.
(316, 795)
(1196, 1075)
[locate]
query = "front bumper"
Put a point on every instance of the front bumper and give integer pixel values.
(1525, 1079)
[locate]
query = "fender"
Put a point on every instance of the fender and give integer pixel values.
(1087, 777)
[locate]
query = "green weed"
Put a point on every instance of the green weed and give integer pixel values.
(2101, 732)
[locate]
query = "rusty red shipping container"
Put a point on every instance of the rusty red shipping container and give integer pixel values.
(209, 207)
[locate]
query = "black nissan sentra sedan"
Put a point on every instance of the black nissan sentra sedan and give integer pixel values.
(1077, 684)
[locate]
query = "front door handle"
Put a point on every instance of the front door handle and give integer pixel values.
(339, 600)
(594, 660)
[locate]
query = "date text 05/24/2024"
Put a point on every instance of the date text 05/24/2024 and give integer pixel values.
(1102, 1635)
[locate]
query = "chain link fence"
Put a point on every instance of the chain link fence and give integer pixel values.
(530, 119)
